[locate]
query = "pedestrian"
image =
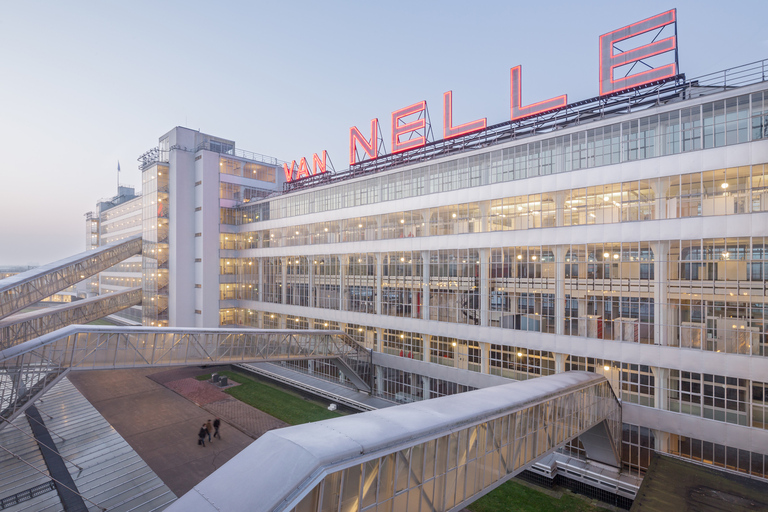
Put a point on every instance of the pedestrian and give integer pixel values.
(216, 425)
(209, 429)
(201, 435)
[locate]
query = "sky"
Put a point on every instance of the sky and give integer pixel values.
(84, 85)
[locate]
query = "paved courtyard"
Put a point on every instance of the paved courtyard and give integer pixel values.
(159, 412)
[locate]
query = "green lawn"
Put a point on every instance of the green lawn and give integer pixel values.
(512, 496)
(101, 321)
(282, 404)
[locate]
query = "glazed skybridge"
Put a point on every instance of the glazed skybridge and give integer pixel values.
(434, 455)
(23, 327)
(28, 369)
(22, 290)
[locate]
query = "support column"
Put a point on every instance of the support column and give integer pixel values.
(378, 283)
(284, 280)
(379, 339)
(425, 390)
(485, 216)
(425, 285)
(342, 286)
(379, 380)
(664, 332)
(261, 279)
(660, 188)
(484, 299)
(560, 362)
(485, 349)
(560, 289)
(426, 341)
(311, 283)
(660, 384)
(559, 208)
(661, 441)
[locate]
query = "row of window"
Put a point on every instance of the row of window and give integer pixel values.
(715, 397)
(714, 124)
(736, 190)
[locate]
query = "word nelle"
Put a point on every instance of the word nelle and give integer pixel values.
(409, 124)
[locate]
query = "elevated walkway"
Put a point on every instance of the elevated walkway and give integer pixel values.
(19, 291)
(27, 369)
(23, 327)
(437, 455)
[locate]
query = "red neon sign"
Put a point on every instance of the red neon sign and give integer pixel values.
(609, 60)
(399, 130)
(450, 131)
(318, 167)
(371, 148)
(516, 95)
(417, 130)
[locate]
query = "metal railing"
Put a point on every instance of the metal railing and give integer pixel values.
(21, 290)
(435, 455)
(240, 153)
(25, 369)
(739, 76)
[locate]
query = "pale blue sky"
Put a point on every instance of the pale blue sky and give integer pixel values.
(85, 84)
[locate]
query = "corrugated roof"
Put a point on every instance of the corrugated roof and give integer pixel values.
(113, 474)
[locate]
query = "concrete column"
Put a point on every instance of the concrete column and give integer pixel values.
(485, 353)
(559, 209)
(379, 339)
(663, 332)
(425, 285)
(261, 279)
(560, 362)
(485, 216)
(379, 381)
(284, 280)
(426, 341)
(311, 283)
(378, 283)
(660, 188)
(311, 367)
(343, 291)
(485, 299)
(661, 441)
(660, 393)
(425, 388)
(560, 251)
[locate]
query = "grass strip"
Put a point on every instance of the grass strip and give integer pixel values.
(513, 496)
(283, 405)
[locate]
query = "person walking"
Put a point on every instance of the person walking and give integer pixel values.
(216, 425)
(201, 434)
(209, 429)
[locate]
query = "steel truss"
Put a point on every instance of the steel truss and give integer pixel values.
(434, 455)
(23, 327)
(24, 289)
(27, 369)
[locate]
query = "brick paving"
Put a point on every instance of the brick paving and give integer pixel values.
(200, 392)
(249, 420)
